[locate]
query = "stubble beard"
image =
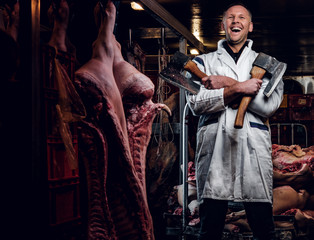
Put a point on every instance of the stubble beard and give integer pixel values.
(236, 42)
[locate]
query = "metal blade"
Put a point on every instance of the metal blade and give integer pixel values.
(277, 74)
(179, 60)
(173, 76)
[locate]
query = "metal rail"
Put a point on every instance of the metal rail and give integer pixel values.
(292, 125)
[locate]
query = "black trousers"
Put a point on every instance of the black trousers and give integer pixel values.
(213, 214)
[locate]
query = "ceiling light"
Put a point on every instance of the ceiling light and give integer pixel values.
(194, 51)
(136, 6)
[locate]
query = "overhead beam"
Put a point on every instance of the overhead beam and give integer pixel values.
(165, 18)
(150, 33)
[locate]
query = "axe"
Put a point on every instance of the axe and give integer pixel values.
(262, 64)
(173, 73)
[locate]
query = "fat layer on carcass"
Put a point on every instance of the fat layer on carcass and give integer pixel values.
(113, 139)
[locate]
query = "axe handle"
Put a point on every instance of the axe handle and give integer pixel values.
(256, 72)
(191, 67)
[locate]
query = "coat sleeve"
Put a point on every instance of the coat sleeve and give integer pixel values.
(206, 101)
(266, 107)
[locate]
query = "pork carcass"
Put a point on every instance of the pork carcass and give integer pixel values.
(237, 219)
(136, 56)
(304, 221)
(113, 138)
(293, 166)
(231, 228)
(285, 198)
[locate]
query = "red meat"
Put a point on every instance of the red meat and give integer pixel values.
(292, 165)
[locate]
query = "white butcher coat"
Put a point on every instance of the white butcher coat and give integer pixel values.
(233, 164)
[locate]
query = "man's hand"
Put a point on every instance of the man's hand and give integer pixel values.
(217, 82)
(248, 87)
(251, 86)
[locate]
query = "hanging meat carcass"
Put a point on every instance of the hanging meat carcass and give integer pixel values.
(135, 56)
(113, 138)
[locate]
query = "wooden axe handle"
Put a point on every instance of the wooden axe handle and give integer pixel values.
(191, 67)
(256, 72)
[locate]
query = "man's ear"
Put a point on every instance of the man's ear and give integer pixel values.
(222, 27)
(251, 27)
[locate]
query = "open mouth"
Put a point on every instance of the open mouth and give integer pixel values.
(235, 29)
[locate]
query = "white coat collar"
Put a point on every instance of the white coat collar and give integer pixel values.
(221, 49)
(224, 56)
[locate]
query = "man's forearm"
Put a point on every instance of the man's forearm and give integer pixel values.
(216, 82)
(231, 89)
(248, 87)
(231, 93)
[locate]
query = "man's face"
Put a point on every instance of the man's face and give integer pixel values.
(237, 24)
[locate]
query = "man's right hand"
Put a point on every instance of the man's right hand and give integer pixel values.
(217, 82)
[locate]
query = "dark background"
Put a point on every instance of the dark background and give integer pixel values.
(282, 28)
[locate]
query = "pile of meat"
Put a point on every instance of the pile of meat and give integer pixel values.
(293, 193)
(293, 184)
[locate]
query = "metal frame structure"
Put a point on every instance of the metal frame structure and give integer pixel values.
(292, 125)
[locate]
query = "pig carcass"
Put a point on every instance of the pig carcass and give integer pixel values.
(285, 198)
(293, 183)
(136, 56)
(304, 221)
(113, 138)
(192, 203)
(293, 166)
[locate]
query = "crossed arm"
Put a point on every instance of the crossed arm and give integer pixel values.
(232, 88)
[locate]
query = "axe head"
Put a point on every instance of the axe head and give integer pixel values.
(273, 67)
(179, 60)
(172, 75)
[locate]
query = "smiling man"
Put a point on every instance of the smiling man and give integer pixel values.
(237, 23)
(233, 164)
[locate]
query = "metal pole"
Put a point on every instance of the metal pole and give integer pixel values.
(183, 144)
(292, 133)
(185, 168)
